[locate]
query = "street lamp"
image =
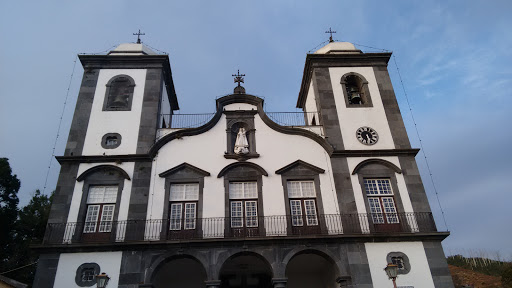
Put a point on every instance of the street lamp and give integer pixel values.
(392, 271)
(102, 280)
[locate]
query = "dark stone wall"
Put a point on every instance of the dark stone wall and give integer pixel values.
(63, 193)
(394, 117)
(150, 110)
(438, 265)
(82, 114)
(46, 270)
(140, 190)
(414, 184)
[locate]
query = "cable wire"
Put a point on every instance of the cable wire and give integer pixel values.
(421, 143)
(18, 268)
(60, 123)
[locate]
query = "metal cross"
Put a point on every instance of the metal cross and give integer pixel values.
(238, 77)
(138, 36)
(330, 32)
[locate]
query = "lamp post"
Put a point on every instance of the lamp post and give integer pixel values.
(392, 271)
(102, 280)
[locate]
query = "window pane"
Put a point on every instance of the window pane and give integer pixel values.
(236, 190)
(91, 218)
(102, 194)
(250, 190)
(294, 189)
(296, 212)
(375, 210)
(236, 214)
(110, 194)
(192, 191)
(175, 216)
(251, 214)
(310, 207)
(389, 209)
(370, 186)
(107, 215)
(88, 274)
(177, 192)
(308, 189)
(384, 186)
(190, 215)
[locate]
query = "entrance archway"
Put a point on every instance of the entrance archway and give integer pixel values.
(183, 271)
(311, 269)
(246, 270)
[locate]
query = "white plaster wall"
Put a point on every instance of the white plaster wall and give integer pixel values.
(358, 193)
(125, 123)
(353, 118)
(110, 263)
(165, 106)
(125, 196)
(240, 106)
(206, 151)
(418, 277)
(310, 105)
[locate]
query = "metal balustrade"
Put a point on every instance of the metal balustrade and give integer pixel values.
(183, 121)
(220, 228)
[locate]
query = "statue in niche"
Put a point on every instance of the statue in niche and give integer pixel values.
(241, 144)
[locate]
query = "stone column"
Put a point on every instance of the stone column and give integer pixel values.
(212, 283)
(279, 282)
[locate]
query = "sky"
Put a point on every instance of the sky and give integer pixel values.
(454, 58)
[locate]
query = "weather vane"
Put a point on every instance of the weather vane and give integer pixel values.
(138, 36)
(330, 32)
(239, 79)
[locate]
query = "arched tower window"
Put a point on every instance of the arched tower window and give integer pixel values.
(119, 93)
(355, 88)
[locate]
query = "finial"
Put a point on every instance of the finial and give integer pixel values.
(239, 79)
(138, 36)
(330, 32)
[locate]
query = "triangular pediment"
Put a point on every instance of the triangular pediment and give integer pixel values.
(184, 166)
(299, 164)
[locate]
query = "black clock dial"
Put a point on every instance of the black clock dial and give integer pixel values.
(367, 135)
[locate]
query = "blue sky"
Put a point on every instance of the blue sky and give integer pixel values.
(454, 57)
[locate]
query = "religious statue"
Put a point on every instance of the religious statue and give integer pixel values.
(241, 144)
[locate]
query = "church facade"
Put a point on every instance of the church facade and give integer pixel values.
(239, 198)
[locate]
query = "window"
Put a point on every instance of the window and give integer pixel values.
(398, 261)
(401, 260)
(111, 140)
(88, 274)
(243, 198)
(356, 90)
(119, 94)
(183, 206)
(302, 197)
(100, 208)
(381, 201)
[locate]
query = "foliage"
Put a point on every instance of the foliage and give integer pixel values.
(484, 266)
(20, 228)
(9, 186)
(506, 276)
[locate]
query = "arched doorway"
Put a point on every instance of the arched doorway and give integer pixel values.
(183, 271)
(311, 269)
(246, 270)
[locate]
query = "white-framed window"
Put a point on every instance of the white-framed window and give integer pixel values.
(302, 197)
(100, 208)
(243, 204)
(381, 201)
(183, 206)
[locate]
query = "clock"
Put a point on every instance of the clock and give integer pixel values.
(367, 135)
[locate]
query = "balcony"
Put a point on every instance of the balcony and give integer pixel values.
(332, 225)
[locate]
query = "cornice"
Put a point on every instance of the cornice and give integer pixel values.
(104, 158)
(374, 153)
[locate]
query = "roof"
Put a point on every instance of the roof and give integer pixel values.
(132, 49)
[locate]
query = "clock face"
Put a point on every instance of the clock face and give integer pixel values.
(367, 135)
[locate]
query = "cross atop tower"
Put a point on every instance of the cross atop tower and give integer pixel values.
(330, 32)
(138, 36)
(239, 79)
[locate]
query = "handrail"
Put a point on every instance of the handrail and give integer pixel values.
(226, 227)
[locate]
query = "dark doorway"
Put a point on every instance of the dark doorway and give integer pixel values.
(180, 272)
(246, 271)
(311, 270)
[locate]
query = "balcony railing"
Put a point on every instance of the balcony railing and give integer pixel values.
(181, 121)
(221, 228)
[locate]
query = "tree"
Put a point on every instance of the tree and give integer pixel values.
(30, 229)
(9, 186)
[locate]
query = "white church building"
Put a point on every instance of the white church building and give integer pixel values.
(239, 198)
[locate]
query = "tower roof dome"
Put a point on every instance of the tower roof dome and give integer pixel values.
(338, 48)
(132, 49)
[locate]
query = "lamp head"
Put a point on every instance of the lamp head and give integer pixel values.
(102, 280)
(391, 270)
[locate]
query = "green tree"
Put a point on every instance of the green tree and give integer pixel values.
(30, 229)
(9, 186)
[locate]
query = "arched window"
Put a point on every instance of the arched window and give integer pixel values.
(355, 89)
(119, 94)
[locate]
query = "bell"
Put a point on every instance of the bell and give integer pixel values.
(355, 97)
